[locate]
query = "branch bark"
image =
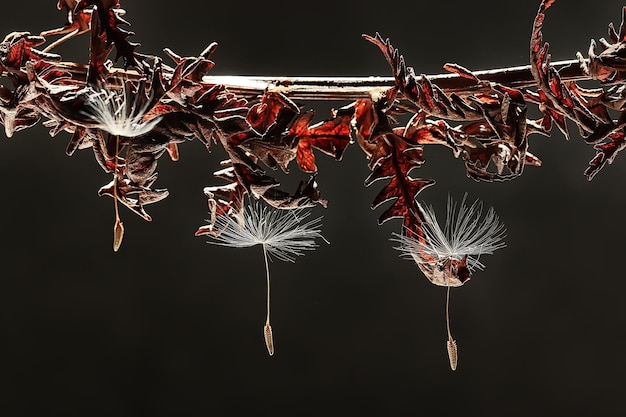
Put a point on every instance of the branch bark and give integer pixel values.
(352, 88)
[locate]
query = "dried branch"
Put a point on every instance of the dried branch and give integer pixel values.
(350, 88)
(131, 117)
(262, 124)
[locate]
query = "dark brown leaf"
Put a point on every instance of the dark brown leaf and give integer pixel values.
(401, 189)
(110, 20)
(134, 197)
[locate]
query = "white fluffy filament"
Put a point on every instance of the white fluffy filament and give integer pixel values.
(119, 112)
(284, 233)
(466, 232)
(281, 233)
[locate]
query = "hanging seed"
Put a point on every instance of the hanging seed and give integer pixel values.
(269, 338)
(452, 353)
(118, 234)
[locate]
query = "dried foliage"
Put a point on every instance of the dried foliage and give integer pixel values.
(485, 124)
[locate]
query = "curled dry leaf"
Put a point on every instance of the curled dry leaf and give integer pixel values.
(483, 121)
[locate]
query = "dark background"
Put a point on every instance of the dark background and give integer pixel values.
(171, 326)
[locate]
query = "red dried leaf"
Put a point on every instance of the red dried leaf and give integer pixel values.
(425, 132)
(401, 189)
(263, 115)
(76, 23)
(19, 112)
(134, 197)
(99, 50)
(331, 136)
(19, 47)
(428, 97)
(81, 139)
(272, 155)
(307, 195)
(606, 153)
(556, 99)
(111, 21)
(223, 200)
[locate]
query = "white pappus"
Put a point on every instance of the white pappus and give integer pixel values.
(450, 255)
(283, 234)
(119, 112)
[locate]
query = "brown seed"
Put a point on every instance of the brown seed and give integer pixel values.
(269, 338)
(452, 353)
(118, 234)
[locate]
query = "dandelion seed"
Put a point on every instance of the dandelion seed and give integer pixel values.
(283, 234)
(269, 338)
(119, 112)
(118, 234)
(450, 255)
(452, 353)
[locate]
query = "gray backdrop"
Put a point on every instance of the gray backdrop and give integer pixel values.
(171, 326)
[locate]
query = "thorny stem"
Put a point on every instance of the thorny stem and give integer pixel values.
(267, 330)
(351, 88)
